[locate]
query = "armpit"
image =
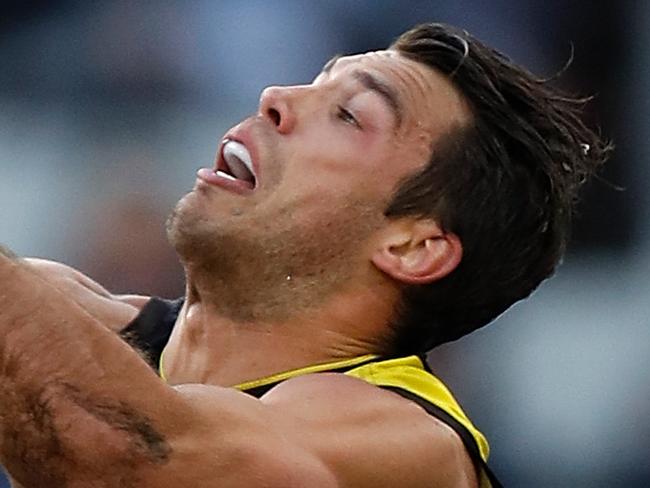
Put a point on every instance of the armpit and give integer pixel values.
(70, 436)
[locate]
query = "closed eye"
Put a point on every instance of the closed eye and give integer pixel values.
(347, 117)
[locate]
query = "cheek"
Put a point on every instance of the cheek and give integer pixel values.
(329, 186)
(337, 162)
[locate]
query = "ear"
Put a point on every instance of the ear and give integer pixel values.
(417, 252)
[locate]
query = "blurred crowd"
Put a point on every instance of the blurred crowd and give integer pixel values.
(108, 107)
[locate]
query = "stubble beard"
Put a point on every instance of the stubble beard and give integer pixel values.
(270, 268)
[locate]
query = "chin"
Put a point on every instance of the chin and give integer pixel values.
(184, 225)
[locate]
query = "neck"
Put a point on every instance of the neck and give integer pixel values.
(209, 348)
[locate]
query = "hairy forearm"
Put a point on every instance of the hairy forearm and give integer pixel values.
(74, 399)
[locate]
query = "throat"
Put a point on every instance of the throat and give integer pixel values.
(218, 351)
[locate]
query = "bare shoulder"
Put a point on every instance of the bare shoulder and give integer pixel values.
(114, 311)
(322, 431)
(373, 437)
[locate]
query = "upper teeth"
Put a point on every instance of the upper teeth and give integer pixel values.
(235, 152)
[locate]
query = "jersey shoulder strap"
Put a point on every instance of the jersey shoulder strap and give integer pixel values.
(410, 378)
(151, 329)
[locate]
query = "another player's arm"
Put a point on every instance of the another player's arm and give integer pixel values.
(78, 403)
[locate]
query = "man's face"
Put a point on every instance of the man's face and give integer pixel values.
(326, 158)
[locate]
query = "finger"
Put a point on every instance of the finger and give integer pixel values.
(7, 253)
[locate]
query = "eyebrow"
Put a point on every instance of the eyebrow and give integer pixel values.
(372, 83)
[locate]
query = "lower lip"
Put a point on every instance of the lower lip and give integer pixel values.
(208, 176)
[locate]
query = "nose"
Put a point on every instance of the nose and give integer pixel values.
(276, 105)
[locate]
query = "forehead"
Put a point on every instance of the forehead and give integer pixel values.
(428, 99)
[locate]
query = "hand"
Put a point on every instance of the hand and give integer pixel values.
(16, 282)
(112, 311)
(5, 251)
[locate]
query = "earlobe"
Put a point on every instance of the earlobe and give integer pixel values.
(429, 254)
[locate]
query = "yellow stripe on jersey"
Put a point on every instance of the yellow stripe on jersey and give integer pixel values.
(316, 368)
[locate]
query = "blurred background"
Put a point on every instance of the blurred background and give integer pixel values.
(107, 109)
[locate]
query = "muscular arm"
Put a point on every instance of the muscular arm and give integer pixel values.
(59, 368)
(77, 405)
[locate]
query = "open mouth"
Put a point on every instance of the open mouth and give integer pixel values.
(236, 164)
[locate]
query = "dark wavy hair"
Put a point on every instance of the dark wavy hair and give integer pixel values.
(506, 184)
